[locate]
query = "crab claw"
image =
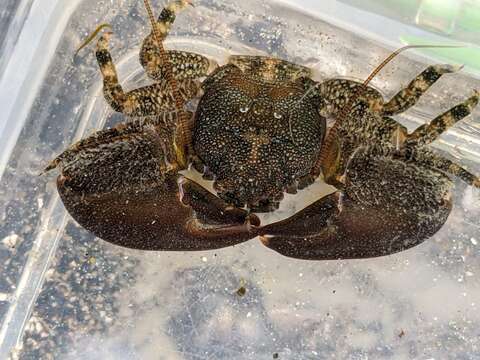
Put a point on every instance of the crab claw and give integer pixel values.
(372, 217)
(115, 185)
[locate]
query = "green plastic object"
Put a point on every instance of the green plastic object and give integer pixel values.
(450, 16)
(439, 15)
(458, 19)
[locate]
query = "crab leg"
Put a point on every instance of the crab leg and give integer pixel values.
(408, 96)
(358, 92)
(450, 167)
(338, 94)
(185, 65)
(145, 101)
(168, 14)
(428, 133)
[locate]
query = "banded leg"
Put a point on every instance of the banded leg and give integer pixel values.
(414, 146)
(427, 133)
(336, 94)
(450, 167)
(407, 97)
(359, 124)
(145, 101)
(168, 15)
(186, 65)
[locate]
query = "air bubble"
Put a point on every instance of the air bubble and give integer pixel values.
(244, 109)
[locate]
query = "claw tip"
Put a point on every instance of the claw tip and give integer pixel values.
(454, 68)
(265, 239)
(52, 165)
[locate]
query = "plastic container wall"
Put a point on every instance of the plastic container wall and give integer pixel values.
(66, 294)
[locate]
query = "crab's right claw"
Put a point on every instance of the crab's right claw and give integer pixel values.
(115, 185)
(372, 217)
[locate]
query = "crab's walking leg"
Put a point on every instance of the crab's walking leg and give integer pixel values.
(336, 94)
(408, 96)
(185, 65)
(450, 167)
(415, 142)
(168, 14)
(427, 133)
(146, 101)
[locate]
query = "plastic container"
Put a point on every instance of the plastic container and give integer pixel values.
(66, 295)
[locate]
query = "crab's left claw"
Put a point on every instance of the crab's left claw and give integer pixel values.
(387, 206)
(118, 185)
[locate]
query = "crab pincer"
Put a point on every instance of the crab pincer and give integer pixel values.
(369, 218)
(119, 185)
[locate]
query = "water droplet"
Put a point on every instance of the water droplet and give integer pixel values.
(277, 115)
(244, 109)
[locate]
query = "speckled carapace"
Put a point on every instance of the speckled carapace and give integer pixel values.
(264, 141)
(257, 132)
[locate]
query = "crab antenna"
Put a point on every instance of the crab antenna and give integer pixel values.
(357, 93)
(182, 137)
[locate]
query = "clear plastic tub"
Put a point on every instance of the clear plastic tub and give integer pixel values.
(65, 294)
